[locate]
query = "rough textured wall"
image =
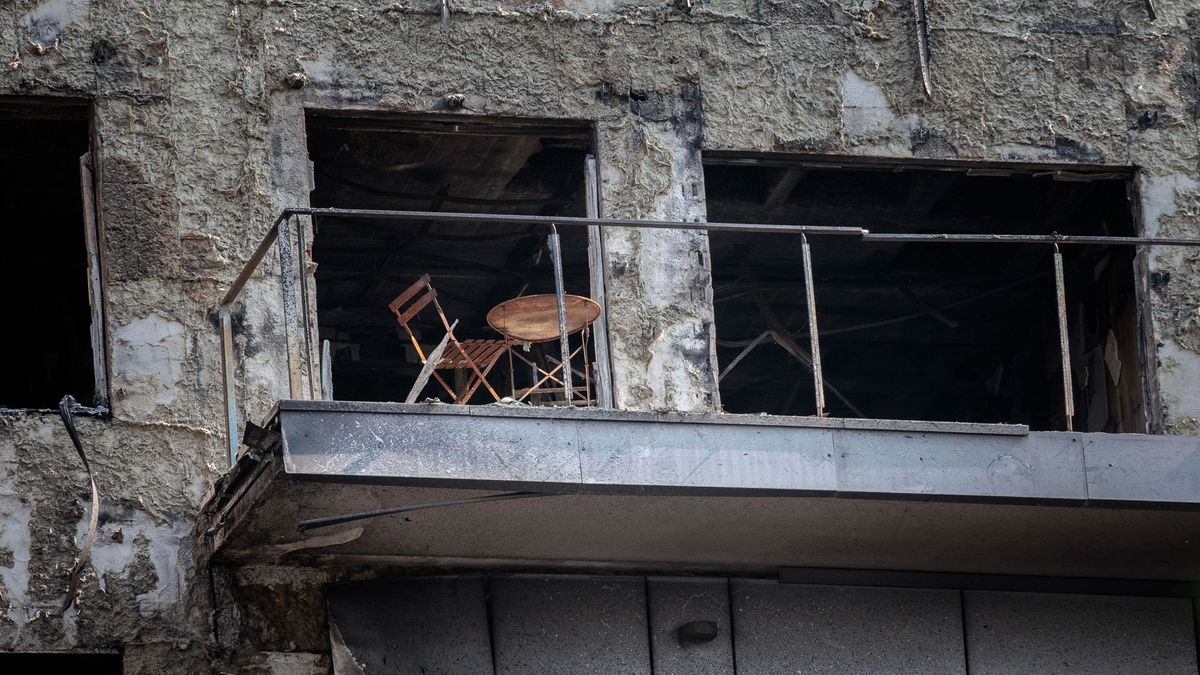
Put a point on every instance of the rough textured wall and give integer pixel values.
(182, 167)
(198, 105)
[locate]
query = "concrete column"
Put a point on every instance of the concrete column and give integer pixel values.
(659, 284)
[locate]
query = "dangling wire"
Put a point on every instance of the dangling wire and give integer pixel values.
(66, 409)
(924, 49)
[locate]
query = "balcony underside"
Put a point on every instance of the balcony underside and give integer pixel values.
(731, 493)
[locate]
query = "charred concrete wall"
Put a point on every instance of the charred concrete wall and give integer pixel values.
(198, 109)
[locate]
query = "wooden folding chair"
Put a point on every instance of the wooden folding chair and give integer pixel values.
(478, 357)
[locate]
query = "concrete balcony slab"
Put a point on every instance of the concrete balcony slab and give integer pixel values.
(709, 492)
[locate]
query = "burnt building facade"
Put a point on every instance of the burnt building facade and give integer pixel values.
(720, 336)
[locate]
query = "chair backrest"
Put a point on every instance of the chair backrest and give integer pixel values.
(412, 300)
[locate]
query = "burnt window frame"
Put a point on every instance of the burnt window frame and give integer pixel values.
(70, 661)
(89, 167)
(600, 332)
(1131, 175)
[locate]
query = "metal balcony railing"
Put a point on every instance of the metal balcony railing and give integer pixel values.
(288, 234)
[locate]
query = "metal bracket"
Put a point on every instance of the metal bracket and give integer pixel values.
(261, 439)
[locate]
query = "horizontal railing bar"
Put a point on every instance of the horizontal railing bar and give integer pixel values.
(864, 233)
(510, 219)
(1027, 239)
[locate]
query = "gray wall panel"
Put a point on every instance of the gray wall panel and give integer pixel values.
(675, 602)
(433, 625)
(558, 624)
(1052, 633)
(783, 628)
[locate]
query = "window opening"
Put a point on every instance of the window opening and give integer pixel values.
(50, 289)
(927, 331)
(390, 292)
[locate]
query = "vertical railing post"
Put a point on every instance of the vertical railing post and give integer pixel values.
(306, 323)
(326, 372)
(1064, 339)
(228, 376)
(559, 297)
(287, 286)
(596, 265)
(225, 320)
(814, 336)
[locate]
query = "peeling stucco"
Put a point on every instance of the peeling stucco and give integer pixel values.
(199, 110)
(148, 357)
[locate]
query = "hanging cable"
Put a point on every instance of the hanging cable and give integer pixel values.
(66, 409)
(924, 47)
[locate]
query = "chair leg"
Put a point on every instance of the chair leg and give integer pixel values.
(471, 363)
(480, 378)
(447, 387)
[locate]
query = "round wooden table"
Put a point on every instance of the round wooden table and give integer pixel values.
(534, 318)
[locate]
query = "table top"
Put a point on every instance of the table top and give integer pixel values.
(534, 318)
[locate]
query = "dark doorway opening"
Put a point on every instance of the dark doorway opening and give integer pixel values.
(51, 662)
(449, 165)
(925, 331)
(46, 349)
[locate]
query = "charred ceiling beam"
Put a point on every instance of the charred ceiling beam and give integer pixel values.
(782, 337)
(396, 250)
(933, 313)
(442, 272)
(908, 317)
(435, 123)
(926, 194)
(526, 254)
(783, 188)
(359, 186)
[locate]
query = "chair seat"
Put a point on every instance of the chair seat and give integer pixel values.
(478, 351)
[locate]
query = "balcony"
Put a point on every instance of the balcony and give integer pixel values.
(517, 487)
(494, 486)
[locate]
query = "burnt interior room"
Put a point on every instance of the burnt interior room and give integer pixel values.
(44, 269)
(927, 331)
(452, 165)
(63, 662)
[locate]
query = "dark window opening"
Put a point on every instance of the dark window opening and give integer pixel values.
(456, 165)
(47, 350)
(50, 662)
(926, 331)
